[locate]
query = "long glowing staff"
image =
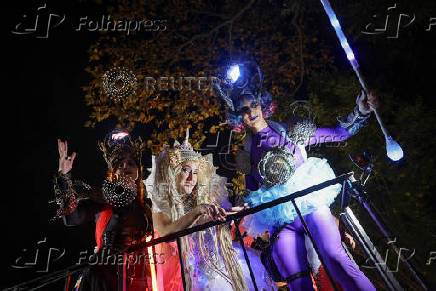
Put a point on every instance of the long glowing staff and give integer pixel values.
(393, 149)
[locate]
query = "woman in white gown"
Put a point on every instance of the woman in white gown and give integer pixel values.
(185, 190)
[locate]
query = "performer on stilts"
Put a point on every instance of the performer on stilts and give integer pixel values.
(249, 107)
(121, 211)
(186, 191)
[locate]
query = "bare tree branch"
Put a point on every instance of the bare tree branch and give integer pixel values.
(215, 29)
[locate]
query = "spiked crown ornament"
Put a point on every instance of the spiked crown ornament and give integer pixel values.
(181, 153)
(119, 143)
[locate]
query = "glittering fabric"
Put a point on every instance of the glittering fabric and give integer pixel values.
(259, 143)
(354, 121)
(301, 130)
(118, 193)
(65, 196)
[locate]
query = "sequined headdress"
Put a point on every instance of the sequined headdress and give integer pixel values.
(181, 153)
(235, 83)
(117, 144)
(167, 164)
(236, 80)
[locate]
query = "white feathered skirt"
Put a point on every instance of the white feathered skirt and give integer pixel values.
(312, 172)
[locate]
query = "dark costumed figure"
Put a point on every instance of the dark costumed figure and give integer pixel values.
(276, 149)
(120, 210)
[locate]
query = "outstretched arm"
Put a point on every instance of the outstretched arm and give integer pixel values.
(351, 125)
(329, 134)
(203, 212)
(69, 207)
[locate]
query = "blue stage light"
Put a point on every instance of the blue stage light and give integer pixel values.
(233, 73)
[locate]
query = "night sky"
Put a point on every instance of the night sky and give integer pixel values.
(43, 101)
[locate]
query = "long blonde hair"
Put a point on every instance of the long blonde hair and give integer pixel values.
(208, 189)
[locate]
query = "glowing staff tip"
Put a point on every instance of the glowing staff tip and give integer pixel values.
(393, 149)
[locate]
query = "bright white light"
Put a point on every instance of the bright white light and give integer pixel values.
(233, 73)
(393, 149)
(350, 56)
(344, 44)
(335, 23)
(119, 135)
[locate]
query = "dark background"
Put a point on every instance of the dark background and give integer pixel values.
(43, 101)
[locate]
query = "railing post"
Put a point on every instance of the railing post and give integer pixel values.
(247, 260)
(67, 281)
(182, 265)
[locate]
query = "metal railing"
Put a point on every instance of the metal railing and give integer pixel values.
(42, 281)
